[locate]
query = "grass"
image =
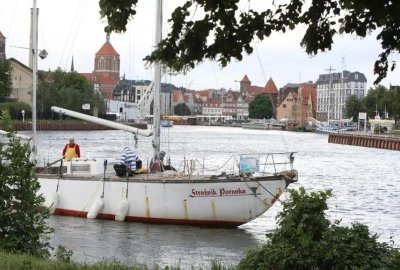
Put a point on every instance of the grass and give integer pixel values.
(26, 262)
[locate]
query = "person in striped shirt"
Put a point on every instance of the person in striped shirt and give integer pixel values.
(128, 163)
(129, 158)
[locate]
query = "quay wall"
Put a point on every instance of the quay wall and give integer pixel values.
(390, 143)
(66, 126)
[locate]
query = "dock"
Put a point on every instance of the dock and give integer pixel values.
(389, 142)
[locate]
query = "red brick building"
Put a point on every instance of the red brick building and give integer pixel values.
(106, 74)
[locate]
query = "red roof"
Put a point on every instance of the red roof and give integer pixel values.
(307, 90)
(255, 90)
(245, 79)
(107, 49)
(176, 95)
(203, 92)
(270, 87)
(1, 35)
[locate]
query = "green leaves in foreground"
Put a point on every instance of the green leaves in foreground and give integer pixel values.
(305, 239)
(23, 226)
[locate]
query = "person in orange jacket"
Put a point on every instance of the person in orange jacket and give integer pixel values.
(71, 150)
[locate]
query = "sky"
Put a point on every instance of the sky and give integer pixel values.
(74, 28)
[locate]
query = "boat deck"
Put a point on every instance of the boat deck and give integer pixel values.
(167, 176)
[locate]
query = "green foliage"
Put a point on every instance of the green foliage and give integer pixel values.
(23, 226)
(261, 107)
(378, 99)
(66, 89)
(63, 254)
(182, 109)
(5, 79)
(223, 32)
(15, 108)
(23, 262)
(5, 121)
(305, 239)
(353, 107)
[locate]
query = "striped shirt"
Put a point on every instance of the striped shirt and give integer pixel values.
(129, 159)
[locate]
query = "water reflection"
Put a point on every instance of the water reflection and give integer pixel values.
(94, 240)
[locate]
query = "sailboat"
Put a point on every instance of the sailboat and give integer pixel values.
(86, 187)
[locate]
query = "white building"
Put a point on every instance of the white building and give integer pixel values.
(334, 89)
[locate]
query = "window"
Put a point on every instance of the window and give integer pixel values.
(284, 106)
(356, 76)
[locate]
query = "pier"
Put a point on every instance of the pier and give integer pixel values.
(389, 142)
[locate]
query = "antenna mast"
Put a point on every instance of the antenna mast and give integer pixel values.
(330, 69)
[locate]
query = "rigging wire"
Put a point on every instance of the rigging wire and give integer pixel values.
(265, 79)
(9, 33)
(69, 34)
(76, 33)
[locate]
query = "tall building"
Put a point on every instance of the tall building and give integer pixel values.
(2, 46)
(334, 89)
(105, 76)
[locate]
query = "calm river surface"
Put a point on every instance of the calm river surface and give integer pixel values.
(364, 181)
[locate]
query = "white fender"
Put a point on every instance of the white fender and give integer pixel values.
(52, 202)
(96, 208)
(123, 208)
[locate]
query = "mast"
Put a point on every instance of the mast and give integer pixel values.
(34, 76)
(329, 91)
(157, 86)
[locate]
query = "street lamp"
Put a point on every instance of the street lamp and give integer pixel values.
(23, 116)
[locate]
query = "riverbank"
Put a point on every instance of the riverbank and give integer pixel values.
(66, 125)
(22, 262)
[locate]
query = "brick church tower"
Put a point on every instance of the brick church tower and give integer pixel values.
(106, 62)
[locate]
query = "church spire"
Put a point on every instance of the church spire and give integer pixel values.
(72, 64)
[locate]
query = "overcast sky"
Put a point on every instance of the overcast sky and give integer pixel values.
(74, 27)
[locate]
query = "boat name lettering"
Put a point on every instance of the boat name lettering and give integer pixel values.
(221, 192)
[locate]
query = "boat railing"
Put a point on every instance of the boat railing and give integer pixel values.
(268, 163)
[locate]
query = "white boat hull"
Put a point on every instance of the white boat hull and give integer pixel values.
(198, 202)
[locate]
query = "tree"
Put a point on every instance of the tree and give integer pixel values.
(182, 109)
(5, 79)
(23, 227)
(306, 239)
(261, 107)
(353, 106)
(66, 89)
(392, 99)
(224, 31)
(375, 100)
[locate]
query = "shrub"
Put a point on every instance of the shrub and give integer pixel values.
(306, 239)
(15, 109)
(23, 226)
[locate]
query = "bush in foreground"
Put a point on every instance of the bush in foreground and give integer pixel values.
(23, 227)
(306, 239)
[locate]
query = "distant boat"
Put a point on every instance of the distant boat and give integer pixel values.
(167, 123)
(263, 124)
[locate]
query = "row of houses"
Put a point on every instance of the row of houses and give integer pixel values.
(293, 103)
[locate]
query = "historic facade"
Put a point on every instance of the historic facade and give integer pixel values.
(297, 104)
(334, 89)
(21, 82)
(106, 73)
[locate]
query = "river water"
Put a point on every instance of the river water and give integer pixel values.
(364, 181)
